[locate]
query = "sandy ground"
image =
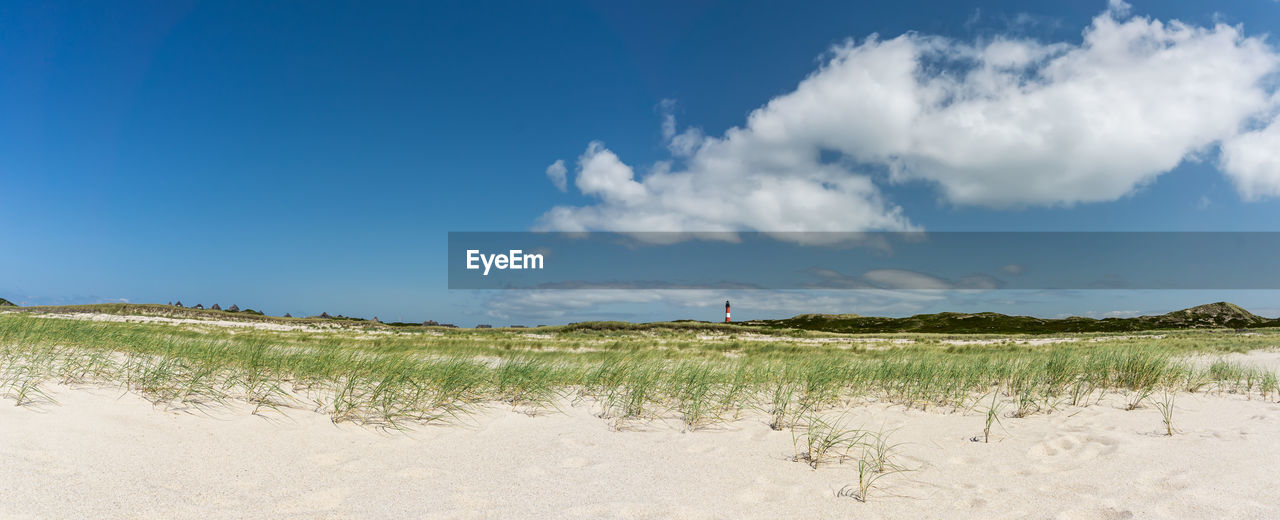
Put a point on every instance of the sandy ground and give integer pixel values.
(98, 454)
(1268, 360)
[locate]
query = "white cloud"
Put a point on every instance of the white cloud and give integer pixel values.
(550, 304)
(668, 120)
(1252, 161)
(602, 174)
(1108, 314)
(685, 143)
(557, 173)
(903, 279)
(1014, 269)
(587, 304)
(729, 189)
(680, 144)
(1119, 7)
(1001, 122)
(1017, 122)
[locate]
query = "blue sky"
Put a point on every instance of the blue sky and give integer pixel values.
(308, 157)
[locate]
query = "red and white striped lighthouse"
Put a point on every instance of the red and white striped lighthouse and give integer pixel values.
(726, 311)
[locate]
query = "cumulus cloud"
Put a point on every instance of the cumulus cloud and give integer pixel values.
(1056, 124)
(999, 122)
(558, 175)
(681, 144)
(731, 188)
(602, 174)
(1252, 161)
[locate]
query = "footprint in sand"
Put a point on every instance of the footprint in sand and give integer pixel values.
(705, 448)
(326, 499)
(575, 462)
(1107, 513)
(970, 503)
(1072, 448)
(963, 461)
(1175, 483)
(1161, 481)
(1049, 449)
(761, 490)
(572, 443)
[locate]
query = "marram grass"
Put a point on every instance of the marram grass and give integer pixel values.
(702, 377)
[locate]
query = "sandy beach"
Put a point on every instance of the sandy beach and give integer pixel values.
(639, 260)
(102, 454)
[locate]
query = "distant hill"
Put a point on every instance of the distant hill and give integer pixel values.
(6, 303)
(1213, 315)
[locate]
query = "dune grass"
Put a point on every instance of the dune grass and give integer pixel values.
(1165, 405)
(821, 441)
(700, 375)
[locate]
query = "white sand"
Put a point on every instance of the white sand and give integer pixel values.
(101, 455)
(1046, 341)
(722, 337)
(1268, 360)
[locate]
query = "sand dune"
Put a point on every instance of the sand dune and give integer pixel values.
(98, 454)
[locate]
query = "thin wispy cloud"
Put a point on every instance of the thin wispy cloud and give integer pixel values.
(557, 173)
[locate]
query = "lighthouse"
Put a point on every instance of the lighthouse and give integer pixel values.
(726, 311)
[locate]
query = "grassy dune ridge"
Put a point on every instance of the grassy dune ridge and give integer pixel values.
(1208, 316)
(700, 375)
(1213, 315)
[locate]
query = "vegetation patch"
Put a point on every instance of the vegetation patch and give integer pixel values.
(398, 378)
(1213, 315)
